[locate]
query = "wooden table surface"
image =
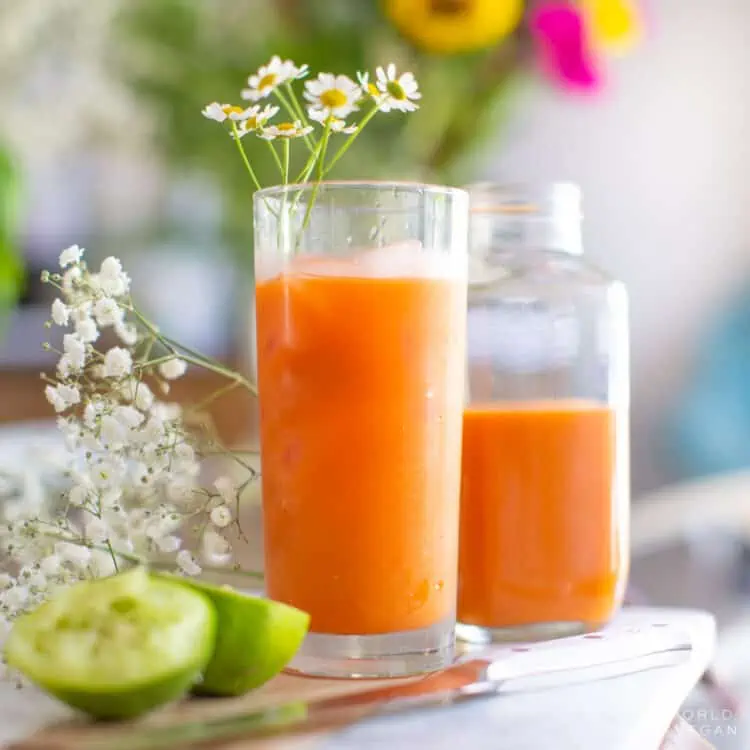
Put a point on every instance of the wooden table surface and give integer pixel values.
(235, 414)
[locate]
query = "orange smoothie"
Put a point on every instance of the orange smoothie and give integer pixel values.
(361, 383)
(539, 538)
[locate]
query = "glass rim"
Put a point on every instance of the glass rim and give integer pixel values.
(405, 185)
(522, 197)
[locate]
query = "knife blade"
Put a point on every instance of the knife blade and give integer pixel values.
(505, 671)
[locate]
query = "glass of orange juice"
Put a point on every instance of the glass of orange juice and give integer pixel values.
(544, 505)
(361, 315)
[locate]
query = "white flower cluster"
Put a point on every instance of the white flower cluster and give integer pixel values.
(329, 100)
(133, 465)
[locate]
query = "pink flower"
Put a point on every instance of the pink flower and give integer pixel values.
(564, 48)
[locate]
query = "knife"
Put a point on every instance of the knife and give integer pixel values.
(498, 671)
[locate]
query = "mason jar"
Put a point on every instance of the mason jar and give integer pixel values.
(545, 476)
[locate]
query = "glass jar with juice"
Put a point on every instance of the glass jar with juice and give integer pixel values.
(544, 498)
(361, 326)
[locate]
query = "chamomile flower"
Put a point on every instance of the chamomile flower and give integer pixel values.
(270, 76)
(335, 125)
(367, 86)
(253, 118)
(285, 130)
(220, 112)
(332, 95)
(398, 92)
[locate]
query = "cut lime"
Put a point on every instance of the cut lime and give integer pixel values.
(116, 647)
(255, 640)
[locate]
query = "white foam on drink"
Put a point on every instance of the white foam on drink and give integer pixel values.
(402, 260)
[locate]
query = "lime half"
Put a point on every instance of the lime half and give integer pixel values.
(255, 640)
(116, 647)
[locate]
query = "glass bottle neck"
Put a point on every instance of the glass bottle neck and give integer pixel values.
(501, 233)
(512, 218)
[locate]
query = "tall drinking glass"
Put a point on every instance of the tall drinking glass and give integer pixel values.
(361, 314)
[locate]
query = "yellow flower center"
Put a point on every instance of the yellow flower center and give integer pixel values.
(269, 79)
(287, 128)
(396, 90)
(373, 89)
(333, 98)
(450, 7)
(231, 109)
(251, 123)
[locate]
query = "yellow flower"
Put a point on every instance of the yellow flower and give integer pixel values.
(220, 112)
(453, 26)
(615, 24)
(285, 130)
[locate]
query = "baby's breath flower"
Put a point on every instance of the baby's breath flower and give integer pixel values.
(226, 489)
(107, 312)
(221, 516)
(60, 313)
(78, 495)
(268, 77)
(285, 130)
(112, 432)
(96, 530)
(71, 278)
(73, 554)
(215, 547)
(169, 543)
(332, 95)
(187, 563)
(128, 416)
(112, 279)
(117, 363)
(127, 333)
(220, 112)
(62, 396)
(87, 330)
(71, 255)
(15, 597)
(398, 92)
(50, 565)
(173, 368)
(75, 351)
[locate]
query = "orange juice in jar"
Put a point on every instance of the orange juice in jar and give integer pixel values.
(544, 503)
(361, 346)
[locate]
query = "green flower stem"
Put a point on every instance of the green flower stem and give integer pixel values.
(241, 149)
(285, 168)
(307, 170)
(296, 105)
(193, 357)
(275, 153)
(289, 107)
(201, 405)
(350, 140)
(316, 186)
(136, 560)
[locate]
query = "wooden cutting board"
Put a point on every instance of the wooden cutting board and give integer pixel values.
(75, 734)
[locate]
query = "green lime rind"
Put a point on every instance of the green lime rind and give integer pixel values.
(256, 638)
(116, 647)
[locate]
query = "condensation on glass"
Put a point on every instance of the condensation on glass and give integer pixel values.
(545, 495)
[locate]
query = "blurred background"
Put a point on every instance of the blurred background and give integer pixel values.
(102, 144)
(645, 105)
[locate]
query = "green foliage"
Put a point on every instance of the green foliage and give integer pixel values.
(181, 54)
(11, 267)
